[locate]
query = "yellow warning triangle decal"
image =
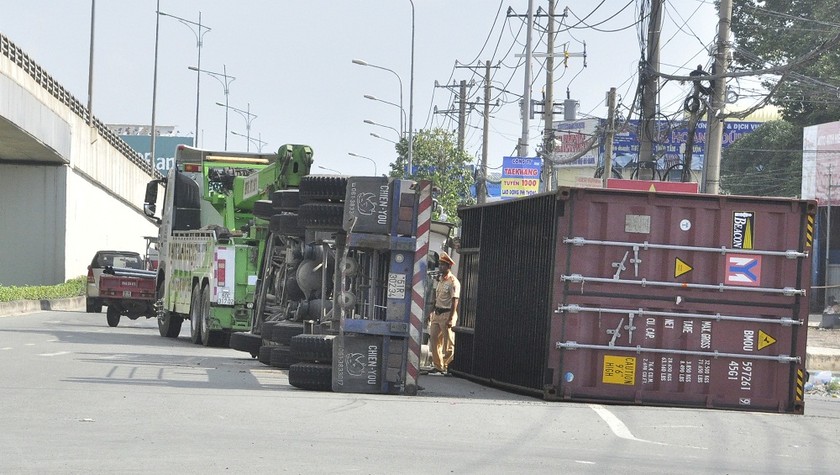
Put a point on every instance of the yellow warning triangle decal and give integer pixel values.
(764, 340)
(652, 187)
(681, 267)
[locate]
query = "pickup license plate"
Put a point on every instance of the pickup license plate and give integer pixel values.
(127, 294)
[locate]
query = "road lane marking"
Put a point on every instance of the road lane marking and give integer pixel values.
(55, 354)
(621, 430)
(7, 348)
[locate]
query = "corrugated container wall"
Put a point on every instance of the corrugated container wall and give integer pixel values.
(639, 298)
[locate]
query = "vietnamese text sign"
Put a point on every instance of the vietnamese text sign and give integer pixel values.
(520, 176)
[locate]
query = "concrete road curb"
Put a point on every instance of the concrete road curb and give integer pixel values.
(73, 304)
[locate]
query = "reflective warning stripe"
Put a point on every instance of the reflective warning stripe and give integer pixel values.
(800, 385)
(418, 286)
(809, 231)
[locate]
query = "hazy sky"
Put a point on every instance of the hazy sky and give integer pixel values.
(292, 64)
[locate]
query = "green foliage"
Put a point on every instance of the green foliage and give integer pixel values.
(71, 288)
(767, 162)
(437, 158)
(777, 32)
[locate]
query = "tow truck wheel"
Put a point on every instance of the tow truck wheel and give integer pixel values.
(208, 337)
(195, 315)
(169, 325)
(311, 376)
(286, 200)
(113, 316)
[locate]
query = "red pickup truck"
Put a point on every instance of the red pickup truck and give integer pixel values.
(129, 292)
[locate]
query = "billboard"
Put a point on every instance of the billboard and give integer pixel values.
(520, 176)
(571, 138)
(821, 162)
(164, 148)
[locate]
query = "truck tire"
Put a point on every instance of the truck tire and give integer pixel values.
(195, 315)
(311, 376)
(208, 337)
(93, 305)
(321, 216)
(264, 356)
(247, 342)
(286, 225)
(281, 357)
(283, 332)
(312, 348)
(286, 200)
(263, 209)
(113, 315)
(323, 188)
(169, 325)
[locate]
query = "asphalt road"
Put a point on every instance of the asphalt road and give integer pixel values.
(80, 397)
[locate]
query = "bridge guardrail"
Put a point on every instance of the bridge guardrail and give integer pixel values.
(17, 56)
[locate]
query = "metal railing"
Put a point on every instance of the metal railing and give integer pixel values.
(28, 65)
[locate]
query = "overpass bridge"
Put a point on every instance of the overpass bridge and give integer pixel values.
(68, 185)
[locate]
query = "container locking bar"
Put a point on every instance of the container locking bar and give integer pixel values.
(640, 312)
(579, 279)
(573, 345)
(723, 250)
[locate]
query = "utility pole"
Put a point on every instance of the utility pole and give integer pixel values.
(462, 112)
(714, 130)
(649, 92)
(548, 108)
(90, 68)
(827, 237)
(481, 186)
(522, 148)
(610, 135)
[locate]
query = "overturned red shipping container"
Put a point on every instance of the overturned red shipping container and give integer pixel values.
(634, 297)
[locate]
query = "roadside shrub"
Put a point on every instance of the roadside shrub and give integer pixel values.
(72, 288)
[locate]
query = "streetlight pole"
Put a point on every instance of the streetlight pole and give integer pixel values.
(90, 68)
(199, 39)
(154, 87)
(366, 158)
(411, 97)
(226, 85)
(402, 111)
(383, 138)
(370, 122)
(247, 115)
(365, 63)
(256, 141)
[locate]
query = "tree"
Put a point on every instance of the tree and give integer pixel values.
(766, 162)
(436, 157)
(775, 32)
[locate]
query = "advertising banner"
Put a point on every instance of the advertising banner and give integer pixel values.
(520, 177)
(164, 148)
(821, 163)
(572, 138)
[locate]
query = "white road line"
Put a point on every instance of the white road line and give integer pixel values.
(7, 348)
(621, 430)
(55, 354)
(29, 344)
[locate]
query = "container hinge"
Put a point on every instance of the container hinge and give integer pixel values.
(574, 278)
(568, 308)
(619, 266)
(615, 333)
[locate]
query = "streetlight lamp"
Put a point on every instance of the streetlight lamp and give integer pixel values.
(247, 115)
(383, 138)
(329, 170)
(402, 111)
(366, 158)
(199, 40)
(368, 121)
(225, 84)
(365, 63)
(256, 141)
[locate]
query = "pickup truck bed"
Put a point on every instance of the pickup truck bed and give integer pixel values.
(129, 292)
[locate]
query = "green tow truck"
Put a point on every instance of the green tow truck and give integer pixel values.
(211, 236)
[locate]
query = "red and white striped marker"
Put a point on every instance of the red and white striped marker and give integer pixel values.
(418, 286)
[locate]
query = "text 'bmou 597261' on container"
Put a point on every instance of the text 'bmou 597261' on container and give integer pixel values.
(638, 298)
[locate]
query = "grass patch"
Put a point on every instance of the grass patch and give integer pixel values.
(71, 288)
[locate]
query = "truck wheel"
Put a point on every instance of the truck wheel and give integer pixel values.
(286, 225)
(93, 305)
(263, 209)
(312, 348)
(311, 376)
(323, 188)
(247, 342)
(113, 316)
(208, 337)
(321, 216)
(283, 332)
(286, 200)
(195, 315)
(169, 325)
(265, 355)
(281, 357)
